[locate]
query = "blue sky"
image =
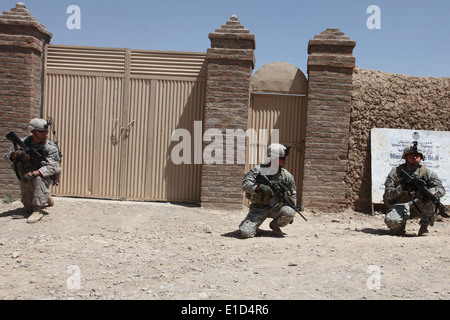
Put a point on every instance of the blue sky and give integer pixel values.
(414, 38)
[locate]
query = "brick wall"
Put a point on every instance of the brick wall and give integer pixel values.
(330, 67)
(22, 39)
(230, 65)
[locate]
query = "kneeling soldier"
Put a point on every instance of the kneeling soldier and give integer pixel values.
(260, 194)
(36, 175)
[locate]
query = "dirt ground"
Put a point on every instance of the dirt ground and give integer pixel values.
(103, 249)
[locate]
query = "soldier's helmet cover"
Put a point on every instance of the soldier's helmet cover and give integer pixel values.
(413, 149)
(276, 150)
(38, 124)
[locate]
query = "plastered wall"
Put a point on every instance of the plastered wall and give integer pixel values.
(386, 100)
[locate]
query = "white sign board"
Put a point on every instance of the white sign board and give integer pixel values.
(387, 147)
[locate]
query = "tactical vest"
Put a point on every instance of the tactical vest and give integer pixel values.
(401, 177)
(263, 199)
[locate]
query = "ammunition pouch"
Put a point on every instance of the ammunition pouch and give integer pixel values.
(259, 198)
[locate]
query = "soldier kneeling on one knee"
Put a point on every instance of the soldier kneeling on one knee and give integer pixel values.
(405, 200)
(37, 171)
(260, 194)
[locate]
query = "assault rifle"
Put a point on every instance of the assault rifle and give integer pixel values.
(420, 186)
(280, 193)
(34, 155)
(29, 150)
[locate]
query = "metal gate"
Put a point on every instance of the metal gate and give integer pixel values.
(115, 111)
(279, 101)
(287, 114)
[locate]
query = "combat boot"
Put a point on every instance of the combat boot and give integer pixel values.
(423, 231)
(276, 229)
(400, 232)
(50, 201)
(36, 216)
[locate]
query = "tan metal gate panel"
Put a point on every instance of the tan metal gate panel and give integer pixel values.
(115, 111)
(175, 104)
(107, 145)
(287, 113)
(74, 126)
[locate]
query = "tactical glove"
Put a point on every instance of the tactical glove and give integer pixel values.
(265, 189)
(22, 155)
(28, 177)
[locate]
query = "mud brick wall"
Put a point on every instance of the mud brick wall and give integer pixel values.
(22, 41)
(231, 61)
(387, 100)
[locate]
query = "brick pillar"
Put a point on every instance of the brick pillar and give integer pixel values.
(230, 66)
(22, 41)
(330, 69)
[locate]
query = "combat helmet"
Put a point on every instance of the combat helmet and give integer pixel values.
(38, 124)
(276, 150)
(413, 148)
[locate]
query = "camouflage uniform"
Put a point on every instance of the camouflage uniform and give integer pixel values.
(401, 206)
(260, 210)
(35, 193)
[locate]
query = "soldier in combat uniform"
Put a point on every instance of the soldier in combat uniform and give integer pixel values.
(36, 176)
(260, 194)
(404, 200)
